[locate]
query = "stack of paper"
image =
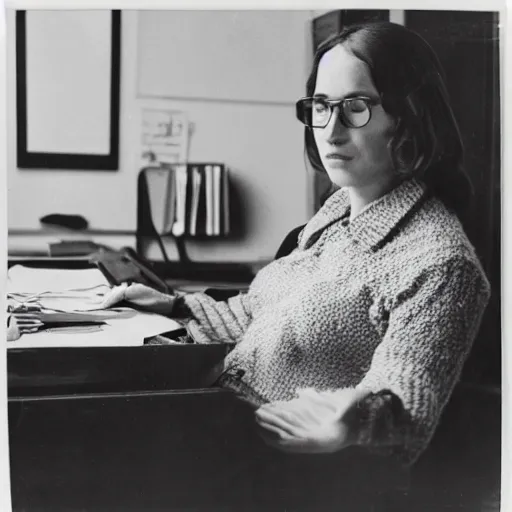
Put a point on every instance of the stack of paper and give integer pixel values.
(125, 332)
(76, 297)
(21, 279)
(63, 295)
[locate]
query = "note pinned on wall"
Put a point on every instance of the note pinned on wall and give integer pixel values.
(164, 136)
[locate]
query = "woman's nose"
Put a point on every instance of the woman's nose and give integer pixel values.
(335, 132)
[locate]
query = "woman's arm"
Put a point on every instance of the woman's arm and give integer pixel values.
(216, 321)
(397, 405)
(211, 321)
(431, 328)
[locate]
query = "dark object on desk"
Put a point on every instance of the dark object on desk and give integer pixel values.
(228, 272)
(69, 262)
(126, 266)
(76, 222)
(75, 248)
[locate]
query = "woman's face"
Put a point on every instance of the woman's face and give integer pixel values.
(352, 157)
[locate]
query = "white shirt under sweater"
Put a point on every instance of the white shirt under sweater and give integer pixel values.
(391, 301)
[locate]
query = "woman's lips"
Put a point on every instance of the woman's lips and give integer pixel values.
(337, 156)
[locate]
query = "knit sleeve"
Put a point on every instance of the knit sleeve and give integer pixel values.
(379, 421)
(430, 329)
(218, 321)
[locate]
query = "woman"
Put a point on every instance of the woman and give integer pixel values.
(359, 335)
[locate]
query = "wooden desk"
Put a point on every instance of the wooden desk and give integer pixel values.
(181, 451)
(66, 370)
(198, 450)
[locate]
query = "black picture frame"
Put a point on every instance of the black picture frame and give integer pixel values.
(42, 160)
(325, 26)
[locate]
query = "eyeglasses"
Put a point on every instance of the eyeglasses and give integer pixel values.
(353, 112)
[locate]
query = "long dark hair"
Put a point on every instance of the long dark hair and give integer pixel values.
(426, 143)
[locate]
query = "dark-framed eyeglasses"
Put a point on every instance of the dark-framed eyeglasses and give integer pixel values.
(353, 112)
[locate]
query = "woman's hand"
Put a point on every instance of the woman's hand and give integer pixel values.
(142, 296)
(23, 318)
(311, 423)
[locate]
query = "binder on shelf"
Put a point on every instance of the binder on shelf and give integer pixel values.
(161, 185)
(217, 200)
(189, 199)
(179, 227)
(194, 203)
(225, 201)
(209, 199)
(201, 205)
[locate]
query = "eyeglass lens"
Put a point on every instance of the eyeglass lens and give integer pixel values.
(354, 112)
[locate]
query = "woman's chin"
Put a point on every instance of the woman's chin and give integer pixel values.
(340, 175)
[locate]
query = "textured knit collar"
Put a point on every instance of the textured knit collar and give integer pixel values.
(375, 223)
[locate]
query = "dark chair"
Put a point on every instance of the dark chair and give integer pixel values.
(287, 246)
(460, 469)
(289, 243)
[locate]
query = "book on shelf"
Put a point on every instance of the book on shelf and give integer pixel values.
(217, 204)
(225, 201)
(179, 227)
(209, 199)
(194, 203)
(161, 185)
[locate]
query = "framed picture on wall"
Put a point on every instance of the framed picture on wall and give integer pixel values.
(67, 87)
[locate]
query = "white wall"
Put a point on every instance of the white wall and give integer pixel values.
(230, 55)
(261, 141)
(397, 16)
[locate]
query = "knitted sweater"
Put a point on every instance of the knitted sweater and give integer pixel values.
(390, 301)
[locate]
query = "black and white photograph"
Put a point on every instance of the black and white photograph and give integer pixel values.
(254, 258)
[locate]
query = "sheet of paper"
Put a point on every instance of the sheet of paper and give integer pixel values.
(87, 300)
(124, 332)
(142, 325)
(77, 317)
(22, 279)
